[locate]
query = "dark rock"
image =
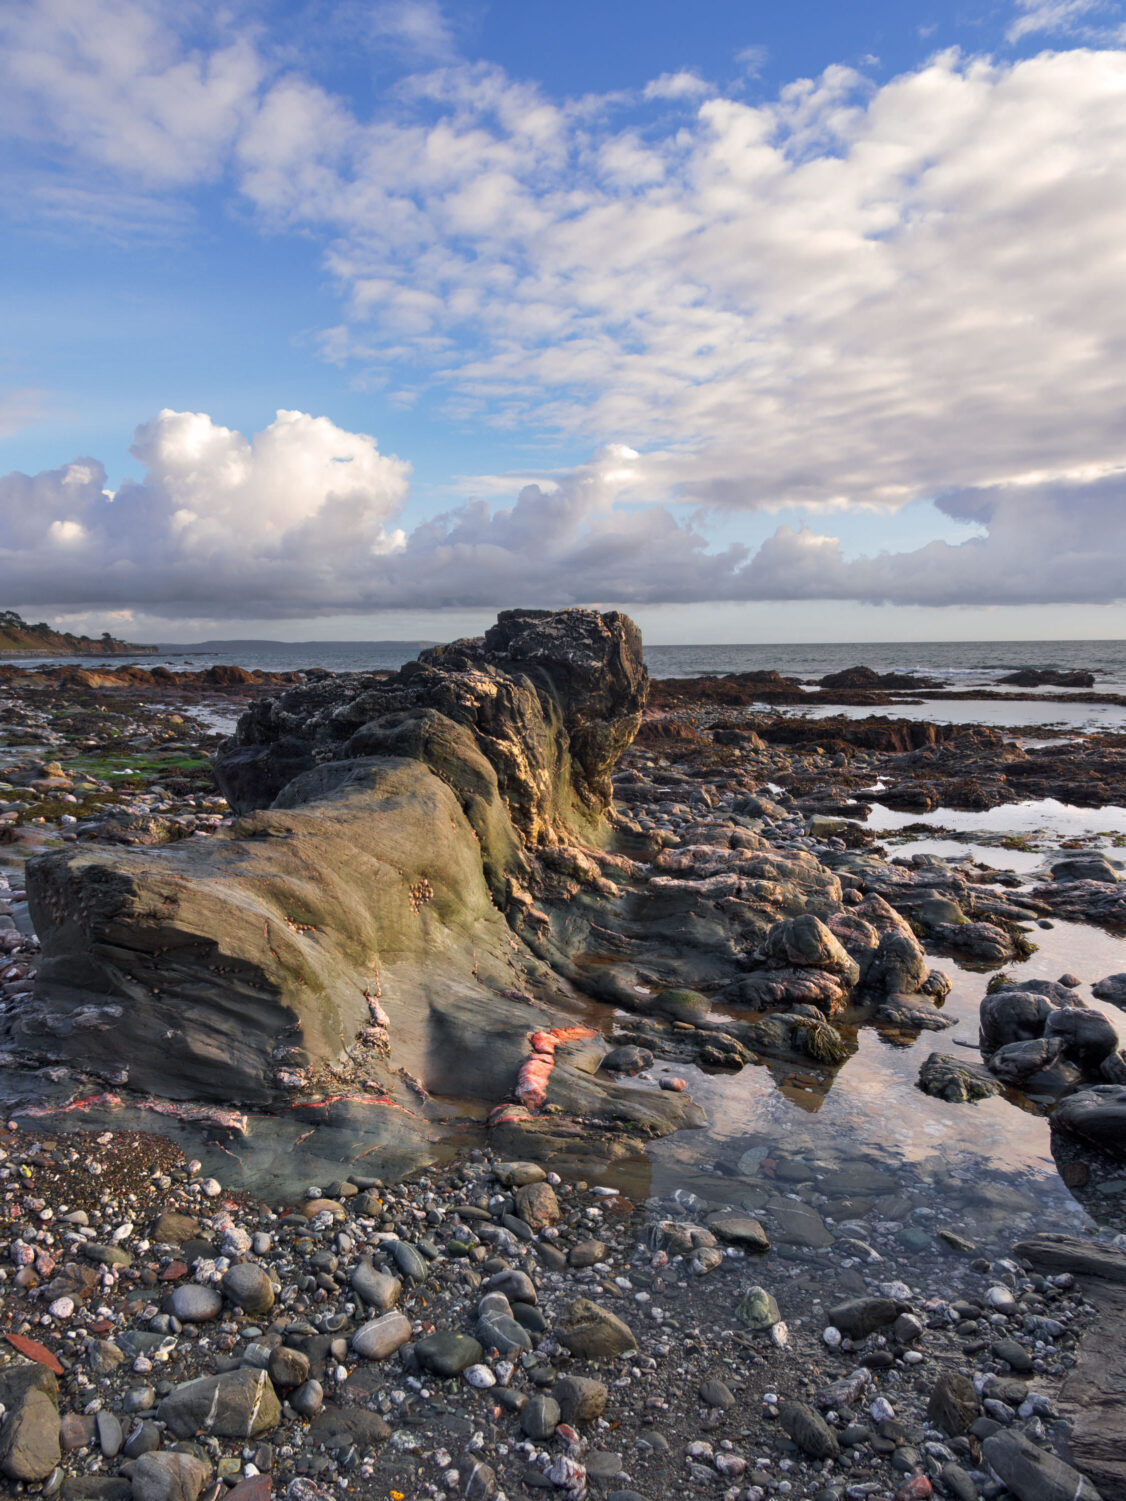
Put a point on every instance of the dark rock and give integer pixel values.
(809, 1430)
(860, 1317)
(1112, 989)
(952, 1079)
(1085, 1037)
(339, 1427)
(1049, 677)
(235, 1404)
(1012, 1015)
(954, 1405)
(448, 1354)
(1097, 1116)
(1034, 1474)
(1013, 1354)
(540, 1417)
(717, 1394)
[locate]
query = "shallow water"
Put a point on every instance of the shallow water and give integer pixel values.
(1054, 819)
(1022, 714)
(996, 856)
(985, 1169)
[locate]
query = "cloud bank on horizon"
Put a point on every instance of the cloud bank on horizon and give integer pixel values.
(845, 297)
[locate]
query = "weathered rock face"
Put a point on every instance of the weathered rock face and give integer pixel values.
(533, 715)
(387, 821)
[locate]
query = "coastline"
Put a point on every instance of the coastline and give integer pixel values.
(687, 742)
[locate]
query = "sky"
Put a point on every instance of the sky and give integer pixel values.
(366, 318)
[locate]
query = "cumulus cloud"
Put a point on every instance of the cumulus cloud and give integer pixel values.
(303, 510)
(1054, 543)
(300, 521)
(681, 85)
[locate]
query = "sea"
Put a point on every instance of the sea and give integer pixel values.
(968, 664)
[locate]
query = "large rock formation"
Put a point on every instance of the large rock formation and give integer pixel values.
(387, 822)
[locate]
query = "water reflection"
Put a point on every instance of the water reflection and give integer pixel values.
(987, 1167)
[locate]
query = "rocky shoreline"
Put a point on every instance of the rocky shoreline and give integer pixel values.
(555, 914)
(489, 1330)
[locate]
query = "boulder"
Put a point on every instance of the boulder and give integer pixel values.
(951, 1079)
(1097, 1116)
(30, 1429)
(235, 1404)
(1085, 1037)
(806, 943)
(1112, 989)
(1090, 866)
(1034, 1474)
(954, 1405)
(1012, 1015)
(169, 1476)
(592, 1332)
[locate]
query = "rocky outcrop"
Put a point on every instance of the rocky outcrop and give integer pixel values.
(1049, 677)
(388, 823)
(525, 724)
(868, 677)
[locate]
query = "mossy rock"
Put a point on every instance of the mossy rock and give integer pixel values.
(683, 1006)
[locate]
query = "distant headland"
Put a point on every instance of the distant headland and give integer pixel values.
(19, 639)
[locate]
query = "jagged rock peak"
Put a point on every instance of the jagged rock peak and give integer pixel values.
(551, 699)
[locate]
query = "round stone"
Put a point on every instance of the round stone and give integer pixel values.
(195, 1304)
(247, 1285)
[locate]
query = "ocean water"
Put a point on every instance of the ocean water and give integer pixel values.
(970, 664)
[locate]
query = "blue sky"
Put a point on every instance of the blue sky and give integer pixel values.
(761, 322)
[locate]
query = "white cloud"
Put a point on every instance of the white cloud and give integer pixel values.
(417, 26)
(846, 296)
(21, 407)
(684, 84)
(1051, 16)
(849, 295)
(122, 83)
(302, 511)
(753, 60)
(301, 522)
